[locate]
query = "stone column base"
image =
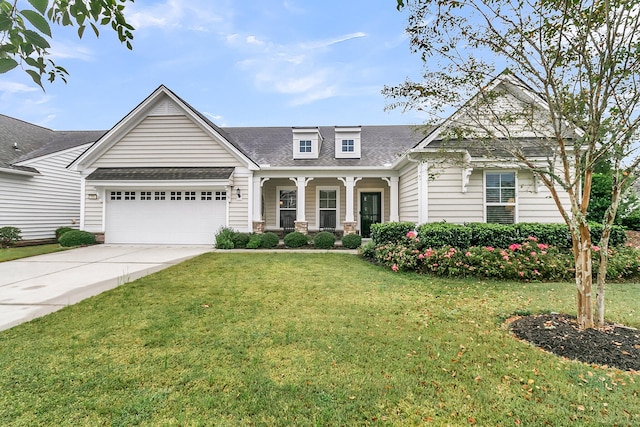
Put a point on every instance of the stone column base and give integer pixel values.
(258, 227)
(350, 227)
(302, 227)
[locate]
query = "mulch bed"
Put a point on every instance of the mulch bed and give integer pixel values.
(613, 346)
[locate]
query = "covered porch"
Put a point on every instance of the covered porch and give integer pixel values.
(342, 205)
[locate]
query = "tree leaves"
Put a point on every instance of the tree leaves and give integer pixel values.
(25, 32)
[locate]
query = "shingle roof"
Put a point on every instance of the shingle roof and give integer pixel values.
(34, 141)
(530, 147)
(160, 174)
(380, 145)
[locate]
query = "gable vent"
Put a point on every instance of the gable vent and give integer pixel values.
(165, 108)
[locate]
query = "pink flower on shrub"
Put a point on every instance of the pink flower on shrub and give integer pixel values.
(521, 273)
(421, 256)
(467, 253)
(489, 248)
(543, 246)
(532, 238)
(595, 248)
(536, 272)
(514, 247)
(533, 254)
(411, 235)
(394, 267)
(505, 257)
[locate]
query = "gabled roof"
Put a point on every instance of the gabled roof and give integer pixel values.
(381, 146)
(112, 136)
(21, 141)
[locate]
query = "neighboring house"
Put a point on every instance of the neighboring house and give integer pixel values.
(37, 192)
(166, 174)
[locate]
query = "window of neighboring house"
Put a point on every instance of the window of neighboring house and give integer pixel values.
(287, 202)
(348, 146)
(327, 206)
(305, 146)
(500, 197)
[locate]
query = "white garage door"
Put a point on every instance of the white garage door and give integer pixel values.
(164, 216)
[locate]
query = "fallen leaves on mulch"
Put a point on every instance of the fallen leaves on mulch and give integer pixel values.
(613, 346)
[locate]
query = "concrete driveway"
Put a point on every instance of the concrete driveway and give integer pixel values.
(35, 286)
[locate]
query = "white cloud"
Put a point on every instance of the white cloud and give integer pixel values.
(177, 14)
(70, 51)
(13, 87)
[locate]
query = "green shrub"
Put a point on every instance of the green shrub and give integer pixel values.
(296, 239)
(9, 235)
(61, 230)
(255, 241)
(352, 241)
(631, 221)
(368, 250)
(436, 235)
(240, 240)
(390, 232)
(495, 235)
(324, 240)
(550, 234)
(269, 240)
(224, 238)
(617, 238)
(77, 238)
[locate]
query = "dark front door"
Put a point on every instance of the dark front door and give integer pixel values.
(370, 212)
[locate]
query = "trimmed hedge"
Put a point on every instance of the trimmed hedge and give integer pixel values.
(61, 230)
(324, 240)
(352, 241)
(240, 240)
(437, 235)
(296, 239)
(390, 232)
(77, 238)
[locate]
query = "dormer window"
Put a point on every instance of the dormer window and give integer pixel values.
(348, 146)
(305, 146)
(306, 143)
(348, 142)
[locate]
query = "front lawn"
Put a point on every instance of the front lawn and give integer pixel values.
(306, 339)
(9, 254)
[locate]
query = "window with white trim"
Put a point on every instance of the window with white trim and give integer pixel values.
(287, 204)
(348, 146)
(327, 208)
(305, 146)
(500, 197)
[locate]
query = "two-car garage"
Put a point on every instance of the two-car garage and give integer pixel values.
(163, 205)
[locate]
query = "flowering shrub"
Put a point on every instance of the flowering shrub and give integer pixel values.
(526, 261)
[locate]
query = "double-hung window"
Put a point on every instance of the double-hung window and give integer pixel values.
(287, 206)
(500, 197)
(327, 207)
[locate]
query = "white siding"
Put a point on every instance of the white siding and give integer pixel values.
(167, 141)
(239, 209)
(408, 193)
(448, 203)
(93, 211)
(40, 204)
(540, 206)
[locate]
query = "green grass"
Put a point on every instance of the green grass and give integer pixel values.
(8, 254)
(284, 339)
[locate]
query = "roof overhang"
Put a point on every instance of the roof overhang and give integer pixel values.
(174, 177)
(20, 170)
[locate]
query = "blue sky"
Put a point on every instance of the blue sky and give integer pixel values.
(242, 63)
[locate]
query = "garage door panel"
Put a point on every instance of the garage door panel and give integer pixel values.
(165, 221)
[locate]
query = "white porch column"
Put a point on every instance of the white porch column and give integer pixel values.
(394, 200)
(257, 199)
(349, 184)
(301, 184)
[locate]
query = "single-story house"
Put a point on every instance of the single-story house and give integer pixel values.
(38, 193)
(166, 174)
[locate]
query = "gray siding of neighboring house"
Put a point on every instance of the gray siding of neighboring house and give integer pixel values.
(39, 204)
(408, 193)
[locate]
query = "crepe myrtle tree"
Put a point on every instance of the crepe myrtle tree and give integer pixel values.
(578, 68)
(25, 29)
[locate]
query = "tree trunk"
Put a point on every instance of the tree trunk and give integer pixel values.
(602, 274)
(584, 277)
